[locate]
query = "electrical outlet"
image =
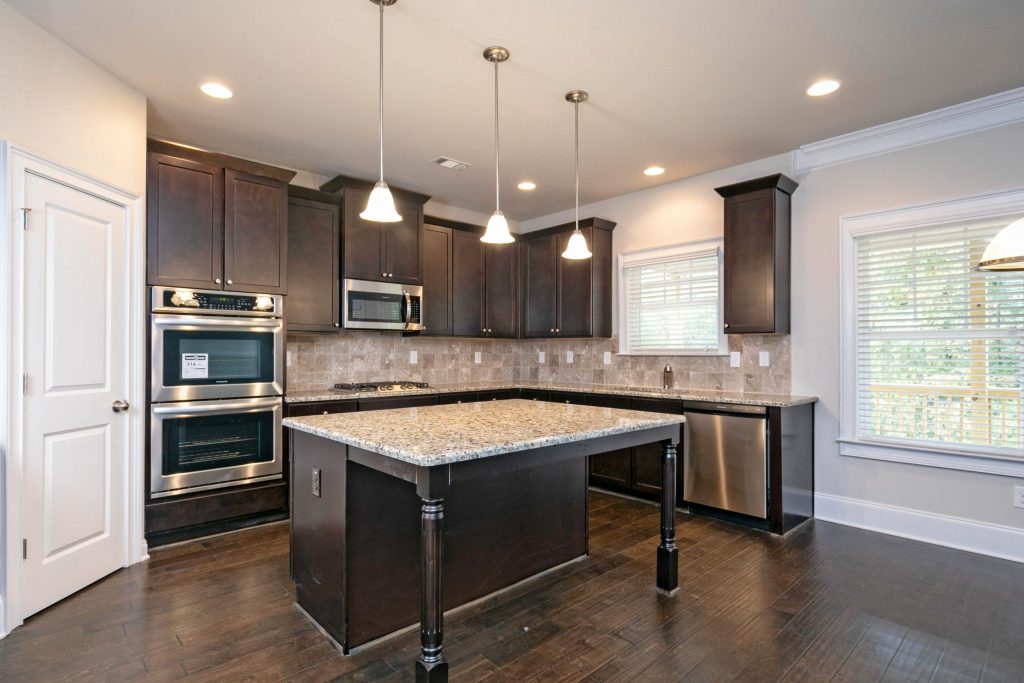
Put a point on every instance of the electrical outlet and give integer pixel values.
(568, 357)
(607, 357)
(763, 359)
(541, 356)
(477, 357)
(288, 356)
(734, 359)
(414, 357)
(1018, 496)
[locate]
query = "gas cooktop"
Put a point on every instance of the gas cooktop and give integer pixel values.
(380, 386)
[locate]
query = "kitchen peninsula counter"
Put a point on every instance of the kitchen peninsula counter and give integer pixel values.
(404, 513)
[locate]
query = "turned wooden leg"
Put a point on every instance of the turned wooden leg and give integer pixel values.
(431, 667)
(668, 555)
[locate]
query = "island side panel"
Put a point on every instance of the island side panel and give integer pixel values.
(497, 531)
(318, 530)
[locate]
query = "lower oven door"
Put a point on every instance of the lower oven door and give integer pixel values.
(202, 445)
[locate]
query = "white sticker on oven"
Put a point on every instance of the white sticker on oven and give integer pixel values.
(195, 366)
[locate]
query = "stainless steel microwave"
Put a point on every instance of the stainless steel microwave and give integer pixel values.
(382, 306)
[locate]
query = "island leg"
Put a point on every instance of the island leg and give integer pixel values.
(668, 555)
(431, 667)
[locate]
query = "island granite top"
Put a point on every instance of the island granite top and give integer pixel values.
(735, 397)
(446, 434)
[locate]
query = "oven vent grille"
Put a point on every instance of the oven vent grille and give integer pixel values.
(453, 164)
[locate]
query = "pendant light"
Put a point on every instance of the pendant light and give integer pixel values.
(577, 246)
(1006, 250)
(380, 208)
(497, 227)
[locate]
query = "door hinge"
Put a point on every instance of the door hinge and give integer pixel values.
(24, 384)
(24, 217)
(24, 548)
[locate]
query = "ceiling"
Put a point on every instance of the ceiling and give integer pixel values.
(689, 85)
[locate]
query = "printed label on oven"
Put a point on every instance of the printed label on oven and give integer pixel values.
(195, 365)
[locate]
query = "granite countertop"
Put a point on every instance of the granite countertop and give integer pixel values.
(445, 434)
(734, 397)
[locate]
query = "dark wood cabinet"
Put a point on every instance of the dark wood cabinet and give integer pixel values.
(437, 280)
(467, 284)
(314, 249)
(215, 222)
(612, 469)
(646, 460)
(380, 252)
(500, 291)
(756, 277)
(565, 297)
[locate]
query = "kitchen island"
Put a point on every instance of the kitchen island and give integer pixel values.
(425, 509)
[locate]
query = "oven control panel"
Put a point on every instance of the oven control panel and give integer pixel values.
(191, 301)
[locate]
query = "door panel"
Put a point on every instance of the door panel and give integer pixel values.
(313, 277)
(467, 284)
(749, 263)
(500, 290)
(255, 234)
(75, 446)
(362, 241)
(403, 245)
(575, 296)
(437, 280)
(540, 280)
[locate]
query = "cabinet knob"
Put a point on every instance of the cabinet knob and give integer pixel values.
(557, 330)
(337, 324)
(383, 274)
(552, 330)
(216, 280)
(231, 282)
(325, 412)
(727, 326)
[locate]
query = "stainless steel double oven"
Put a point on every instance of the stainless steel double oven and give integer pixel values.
(216, 380)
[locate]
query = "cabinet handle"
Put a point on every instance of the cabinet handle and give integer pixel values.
(216, 280)
(231, 282)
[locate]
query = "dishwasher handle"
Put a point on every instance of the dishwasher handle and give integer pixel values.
(738, 408)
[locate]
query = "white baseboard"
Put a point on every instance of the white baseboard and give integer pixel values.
(964, 534)
(3, 619)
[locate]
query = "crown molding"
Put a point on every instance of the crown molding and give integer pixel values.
(992, 111)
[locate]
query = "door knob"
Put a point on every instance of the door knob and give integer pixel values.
(119, 406)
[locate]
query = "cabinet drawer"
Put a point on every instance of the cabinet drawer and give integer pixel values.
(458, 397)
(496, 395)
(397, 402)
(319, 408)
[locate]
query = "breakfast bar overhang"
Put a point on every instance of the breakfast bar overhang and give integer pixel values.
(491, 493)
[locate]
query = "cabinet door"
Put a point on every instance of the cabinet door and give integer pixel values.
(185, 223)
(467, 284)
(362, 241)
(749, 268)
(255, 233)
(313, 251)
(500, 290)
(575, 290)
(402, 245)
(610, 469)
(437, 280)
(646, 460)
(540, 285)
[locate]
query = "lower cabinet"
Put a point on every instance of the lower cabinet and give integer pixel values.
(612, 469)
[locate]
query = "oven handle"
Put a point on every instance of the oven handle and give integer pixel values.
(217, 407)
(165, 320)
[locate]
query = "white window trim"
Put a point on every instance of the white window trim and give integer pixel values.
(980, 206)
(657, 255)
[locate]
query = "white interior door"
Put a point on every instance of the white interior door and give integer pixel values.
(75, 349)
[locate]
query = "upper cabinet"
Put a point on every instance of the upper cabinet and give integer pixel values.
(314, 250)
(215, 222)
(437, 280)
(500, 266)
(467, 284)
(380, 252)
(756, 279)
(564, 297)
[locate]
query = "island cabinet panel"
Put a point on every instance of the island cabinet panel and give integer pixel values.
(756, 272)
(437, 280)
(566, 297)
(500, 290)
(467, 284)
(255, 233)
(314, 248)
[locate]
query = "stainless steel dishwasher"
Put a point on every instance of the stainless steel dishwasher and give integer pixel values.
(725, 457)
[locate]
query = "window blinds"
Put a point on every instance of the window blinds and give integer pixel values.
(939, 347)
(672, 305)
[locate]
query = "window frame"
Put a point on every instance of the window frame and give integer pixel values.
(660, 255)
(990, 205)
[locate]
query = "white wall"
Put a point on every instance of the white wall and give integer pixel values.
(57, 103)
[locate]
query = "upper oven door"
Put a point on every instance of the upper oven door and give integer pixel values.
(204, 357)
(382, 306)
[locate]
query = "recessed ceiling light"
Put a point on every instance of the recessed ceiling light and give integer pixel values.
(527, 185)
(823, 87)
(218, 90)
(654, 170)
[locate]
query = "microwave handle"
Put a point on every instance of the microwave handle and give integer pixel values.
(406, 308)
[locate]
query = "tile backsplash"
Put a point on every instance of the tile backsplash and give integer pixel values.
(317, 361)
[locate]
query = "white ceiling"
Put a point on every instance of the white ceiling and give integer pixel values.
(691, 85)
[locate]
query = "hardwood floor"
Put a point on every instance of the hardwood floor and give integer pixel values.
(826, 603)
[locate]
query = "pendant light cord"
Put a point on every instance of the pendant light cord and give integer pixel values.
(497, 145)
(380, 94)
(576, 110)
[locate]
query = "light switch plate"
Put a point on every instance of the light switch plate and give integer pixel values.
(734, 359)
(568, 357)
(288, 355)
(477, 358)
(414, 357)
(541, 356)
(607, 357)
(316, 482)
(1018, 496)
(763, 359)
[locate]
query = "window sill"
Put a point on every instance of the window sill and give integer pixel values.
(950, 460)
(685, 354)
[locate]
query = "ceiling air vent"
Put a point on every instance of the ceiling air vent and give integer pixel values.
(453, 164)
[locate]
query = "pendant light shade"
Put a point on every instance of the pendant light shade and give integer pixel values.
(497, 227)
(380, 208)
(577, 247)
(1006, 250)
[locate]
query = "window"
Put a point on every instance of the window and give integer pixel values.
(671, 301)
(935, 349)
